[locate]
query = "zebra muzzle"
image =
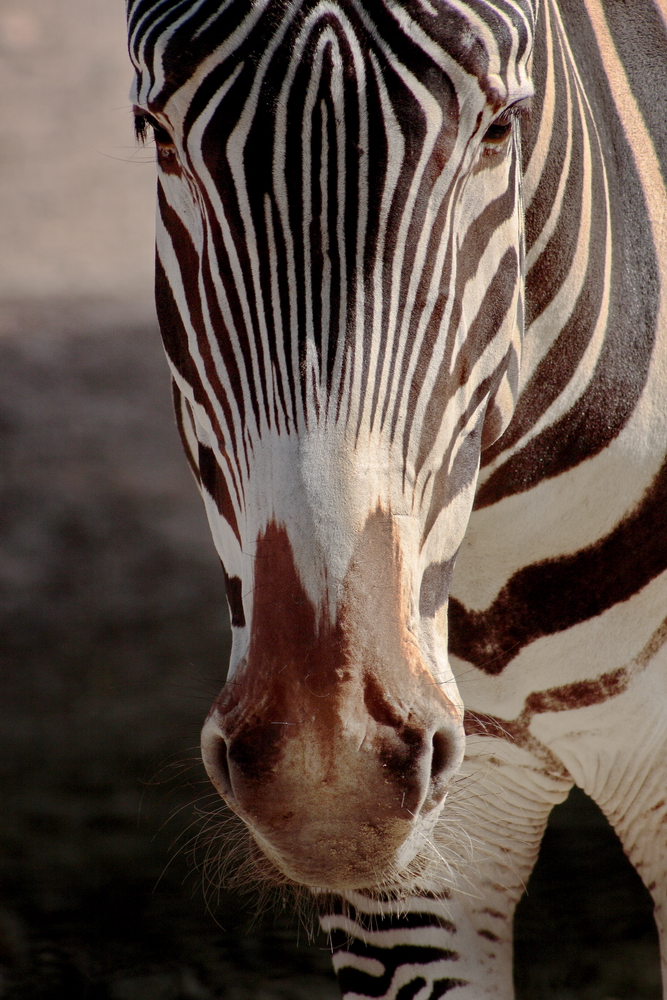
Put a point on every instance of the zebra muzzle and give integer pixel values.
(332, 741)
(338, 799)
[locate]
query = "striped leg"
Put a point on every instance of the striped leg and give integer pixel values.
(380, 953)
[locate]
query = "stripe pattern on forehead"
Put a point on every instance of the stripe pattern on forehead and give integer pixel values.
(323, 153)
(171, 40)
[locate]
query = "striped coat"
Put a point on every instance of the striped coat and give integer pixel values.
(412, 285)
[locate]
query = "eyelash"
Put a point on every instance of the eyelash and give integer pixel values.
(141, 123)
(500, 129)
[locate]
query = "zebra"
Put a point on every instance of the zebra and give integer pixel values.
(411, 278)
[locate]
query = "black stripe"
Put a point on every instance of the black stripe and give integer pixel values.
(215, 484)
(174, 337)
(544, 280)
(554, 595)
(180, 403)
(234, 588)
(530, 122)
(640, 38)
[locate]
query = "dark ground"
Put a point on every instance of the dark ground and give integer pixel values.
(113, 645)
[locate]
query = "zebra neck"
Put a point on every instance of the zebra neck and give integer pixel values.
(592, 279)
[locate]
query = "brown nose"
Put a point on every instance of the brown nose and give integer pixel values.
(338, 789)
(413, 760)
(332, 741)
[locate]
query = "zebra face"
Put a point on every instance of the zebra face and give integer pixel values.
(339, 287)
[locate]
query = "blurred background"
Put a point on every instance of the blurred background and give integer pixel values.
(113, 630)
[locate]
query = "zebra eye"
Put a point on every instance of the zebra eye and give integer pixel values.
(160, 134)
(498, 131)
(500, 128)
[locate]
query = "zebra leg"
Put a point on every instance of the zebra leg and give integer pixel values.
(617, 752)
(643, 834)
(456, 936)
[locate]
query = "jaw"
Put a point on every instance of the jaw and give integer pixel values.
(336, 857)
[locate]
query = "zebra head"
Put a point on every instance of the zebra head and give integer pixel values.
(339, 288)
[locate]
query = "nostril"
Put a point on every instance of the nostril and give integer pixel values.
(219, 772)
(442, 755)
